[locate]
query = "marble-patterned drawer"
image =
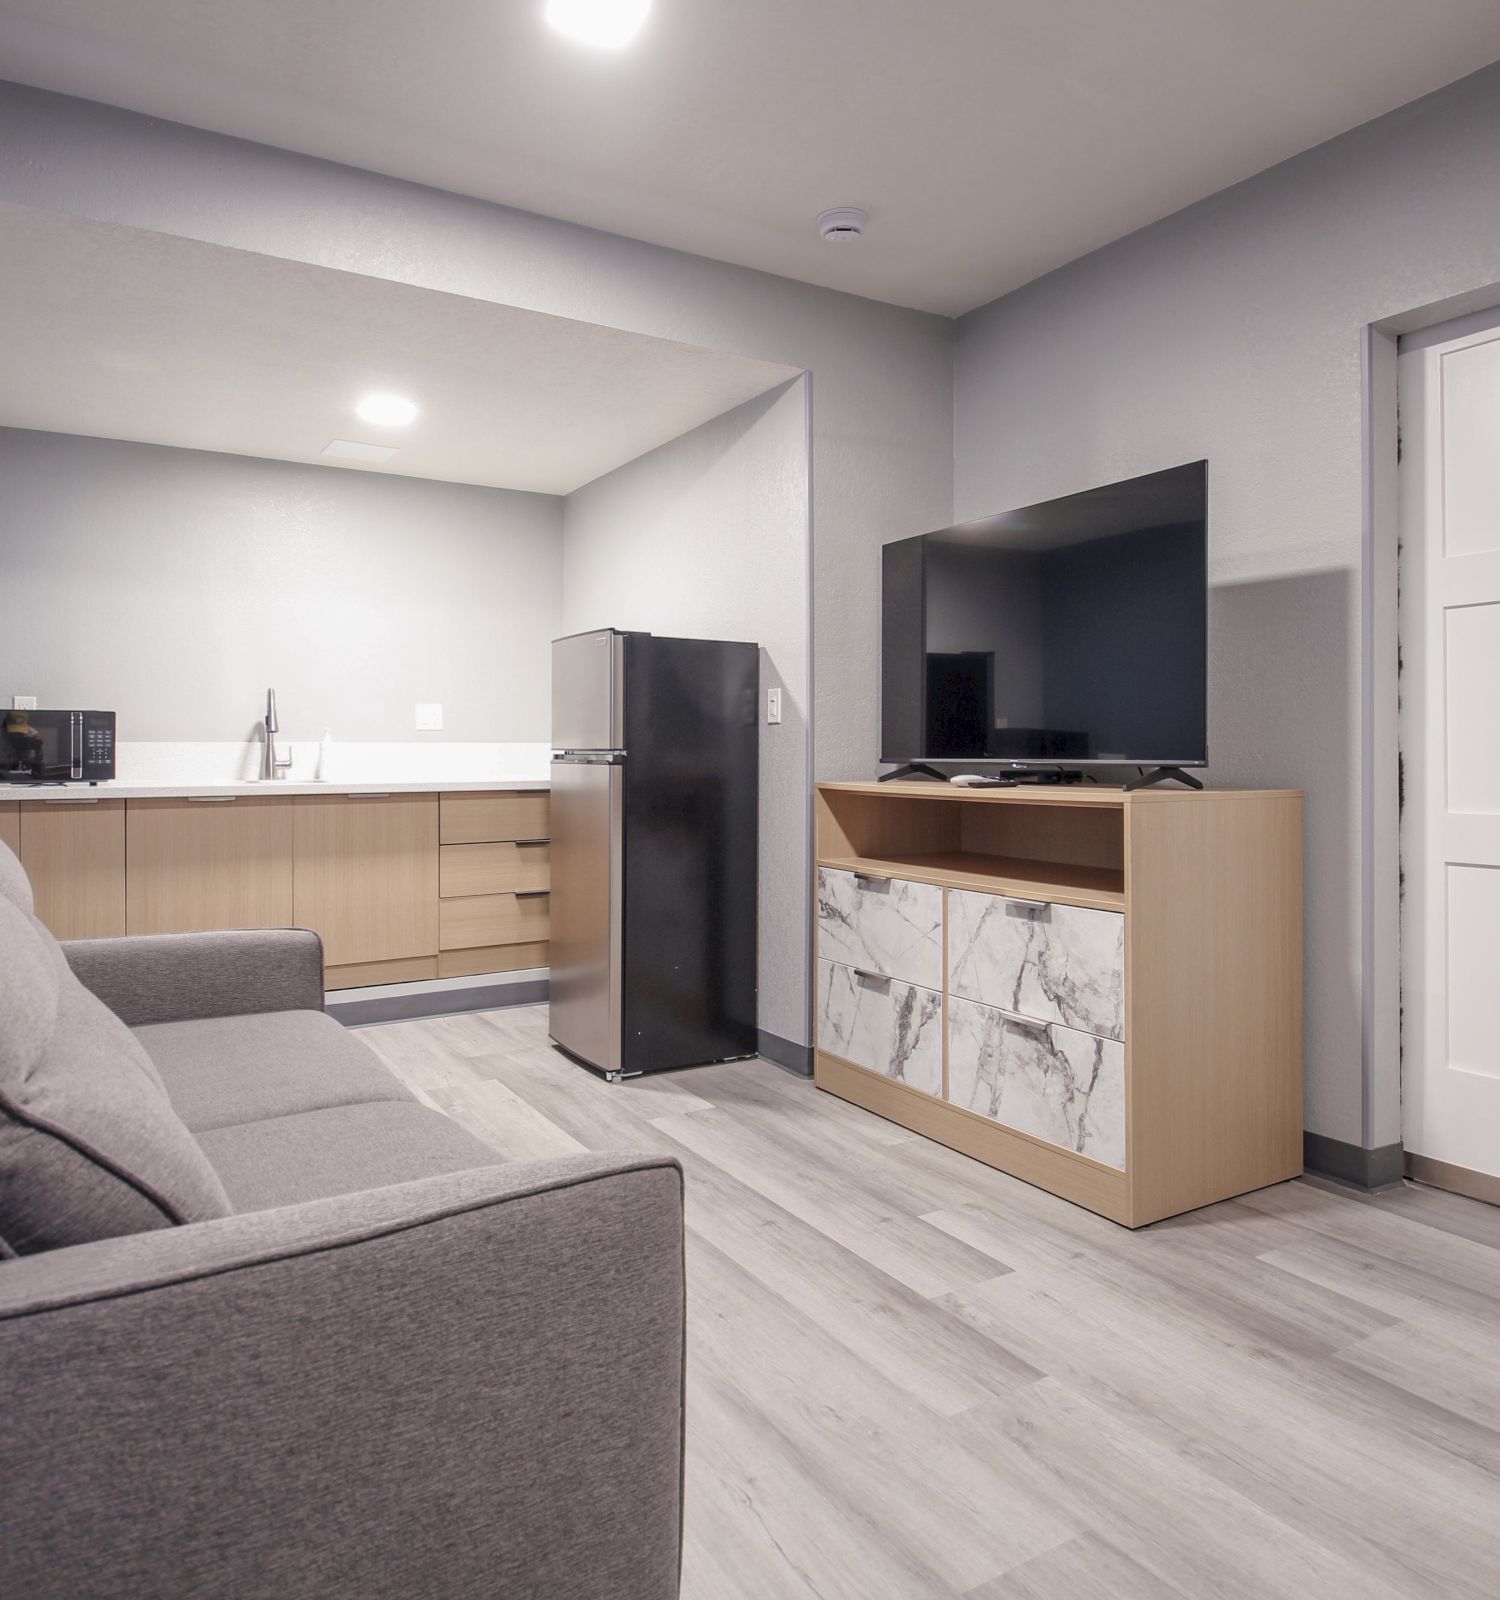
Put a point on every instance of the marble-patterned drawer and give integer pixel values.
(887, 925)
(884, 1026)
(1055, 1083)
(1054, 962)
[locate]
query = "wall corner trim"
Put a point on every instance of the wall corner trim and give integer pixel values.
(1361, 1168)
(783, 1053)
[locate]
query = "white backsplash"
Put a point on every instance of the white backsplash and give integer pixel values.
(401, 761)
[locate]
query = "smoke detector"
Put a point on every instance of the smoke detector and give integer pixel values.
(841, 224)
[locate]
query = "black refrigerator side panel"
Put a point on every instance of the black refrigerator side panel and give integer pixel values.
(691, 809)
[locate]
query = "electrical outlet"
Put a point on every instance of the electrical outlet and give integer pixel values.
(23, 702)
(429, 717)
(773, 705)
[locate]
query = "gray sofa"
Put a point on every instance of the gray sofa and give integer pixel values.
(269, 1327)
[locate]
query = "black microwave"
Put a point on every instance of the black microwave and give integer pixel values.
(57, 746)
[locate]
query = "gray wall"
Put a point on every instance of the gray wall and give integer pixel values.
(173, 586)
(882, 409)
(706, 537)
(1234, 331)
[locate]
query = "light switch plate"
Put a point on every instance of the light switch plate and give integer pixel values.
(23, 702)
(429, 717)
(773, 705)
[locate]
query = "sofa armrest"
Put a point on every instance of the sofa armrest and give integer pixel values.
(470, 1384)
(180, 977)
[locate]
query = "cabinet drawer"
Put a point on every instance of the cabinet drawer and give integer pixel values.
(492, 868)
(1053, 962)
(482, 818)
(1055, 1083)
(479, 959)
(883, 1025)
(481, 919)
(890, 926)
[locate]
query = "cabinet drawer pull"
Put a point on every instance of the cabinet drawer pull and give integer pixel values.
(530, 841)
(1027, 905)
(871, 877)
(211, 799)
(531, 894)
(1034, 1023)
(71, 799)
(874, 977)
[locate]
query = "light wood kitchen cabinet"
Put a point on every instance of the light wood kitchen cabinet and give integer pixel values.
(483, 816)
(495, 868)
(475, 961)
(74, 854)
(193, 864)
(365, 876)
(366, 872)
(494, 919)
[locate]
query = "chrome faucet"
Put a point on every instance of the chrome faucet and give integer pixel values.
(272, 765)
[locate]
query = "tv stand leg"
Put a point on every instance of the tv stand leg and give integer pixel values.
(913, 769)
(1164, 775)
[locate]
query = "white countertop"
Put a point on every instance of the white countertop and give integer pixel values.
(224, 770)
(73, 793)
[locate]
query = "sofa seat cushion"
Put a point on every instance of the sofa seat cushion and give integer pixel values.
(341, 1150)
(225, 1070)
(90, 1147)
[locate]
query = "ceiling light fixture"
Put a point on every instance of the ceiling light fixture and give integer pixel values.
(385, 410)
(841, 224)
(609, 24)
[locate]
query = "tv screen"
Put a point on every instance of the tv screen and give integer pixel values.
(1069, 633)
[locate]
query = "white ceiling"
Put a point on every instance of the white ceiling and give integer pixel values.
(122, 334)
(990, 140)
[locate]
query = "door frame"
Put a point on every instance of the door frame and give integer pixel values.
(1380, 747)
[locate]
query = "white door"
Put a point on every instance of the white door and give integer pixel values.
(1450, 744)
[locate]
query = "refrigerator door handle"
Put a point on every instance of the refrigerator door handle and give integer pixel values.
(589, 758)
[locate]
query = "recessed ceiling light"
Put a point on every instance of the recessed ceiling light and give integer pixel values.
(606, 23)
(386, 410)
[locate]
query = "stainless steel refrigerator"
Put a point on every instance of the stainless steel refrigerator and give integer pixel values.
(655, 813)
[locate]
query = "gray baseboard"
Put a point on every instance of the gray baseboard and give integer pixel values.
(792, 1057)
(360, 1010)
(1380, 1168)
(1457, 1180)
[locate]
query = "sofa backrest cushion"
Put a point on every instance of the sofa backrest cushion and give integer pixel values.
(90, 1147)
(15, 886)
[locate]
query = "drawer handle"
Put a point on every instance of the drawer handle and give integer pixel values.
(530, 841)
(871, 877)
(874, 977)
(532, 894)
(1027, 905)
(212, 799)
(1034, 1023)
(71, 799)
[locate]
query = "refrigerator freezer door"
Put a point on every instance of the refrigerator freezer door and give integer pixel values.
(588, 691)
(585, 948)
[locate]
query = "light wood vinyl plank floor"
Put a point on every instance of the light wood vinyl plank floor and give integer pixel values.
(911, 1376)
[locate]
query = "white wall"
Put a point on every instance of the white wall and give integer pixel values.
(706, 537)
(174, 586)
(1234, 331)
(882, 395)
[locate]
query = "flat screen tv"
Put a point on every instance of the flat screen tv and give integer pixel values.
(1068, 634)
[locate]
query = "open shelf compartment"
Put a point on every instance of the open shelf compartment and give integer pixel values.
(1051, 848)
